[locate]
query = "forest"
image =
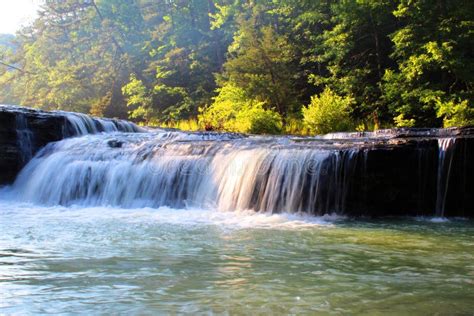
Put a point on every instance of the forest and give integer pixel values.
(251, 66)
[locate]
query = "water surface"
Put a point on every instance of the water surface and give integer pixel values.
(144, 261)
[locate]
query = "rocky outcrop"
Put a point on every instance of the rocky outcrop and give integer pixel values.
(411, 179)
(414, 172)
(24, 131)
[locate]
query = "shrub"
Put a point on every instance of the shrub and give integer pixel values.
(401, 121)
(227, 104)
(257, 120)
(233, 111)
(328, 113)
(455, 114)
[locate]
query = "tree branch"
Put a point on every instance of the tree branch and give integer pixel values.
(116, 43)
(14, 67)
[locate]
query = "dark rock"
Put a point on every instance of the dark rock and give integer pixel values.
(23, 131)
(115, 143)
(43, 127)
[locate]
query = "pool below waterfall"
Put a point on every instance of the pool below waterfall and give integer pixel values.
(136, 261)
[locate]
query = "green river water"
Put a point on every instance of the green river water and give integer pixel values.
(164, 261)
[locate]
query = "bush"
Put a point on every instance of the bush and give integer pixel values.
(455, 114)
(227, 104)
(257, 120)
(328, 113)
(401, 121)
(232, 111)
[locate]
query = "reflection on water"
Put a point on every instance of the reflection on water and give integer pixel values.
(104, 260)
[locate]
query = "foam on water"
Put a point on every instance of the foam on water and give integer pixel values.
(166, 215)
(439, 220)
(436, 219)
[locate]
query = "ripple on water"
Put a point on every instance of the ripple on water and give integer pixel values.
(139, 261)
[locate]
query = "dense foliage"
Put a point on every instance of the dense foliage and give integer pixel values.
(328, 112)
(258, 66)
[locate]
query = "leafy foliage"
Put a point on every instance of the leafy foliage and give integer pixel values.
(433, 50)
(233, 111)
(249, 66)
(328, 113)
(456, 113)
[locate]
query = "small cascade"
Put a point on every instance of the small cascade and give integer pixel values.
(24, 138)
(83, 124)
(201, 170)
(445, 160)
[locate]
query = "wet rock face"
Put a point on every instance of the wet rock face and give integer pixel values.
(395, 181)
(23, 131)
(9, 152)
(460, 184)
(22, 134)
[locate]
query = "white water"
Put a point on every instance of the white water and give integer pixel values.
(445, 160)
(24, 138)
(83, 124)
(176, 169)
(189, 217)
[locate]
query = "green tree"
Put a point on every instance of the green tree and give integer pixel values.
(353, 49)
(434, 52)
(185, 51)
(260, 61)
(77, 55)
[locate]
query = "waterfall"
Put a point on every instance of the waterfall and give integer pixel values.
(24, 138)
(83, 124)
(445, 160)
(226, 172)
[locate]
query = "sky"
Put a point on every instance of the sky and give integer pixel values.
(15, 13)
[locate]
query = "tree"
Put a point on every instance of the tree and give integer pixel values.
(354, 50)
(261, 61)
(434, 50)
(185, 50)
(76, 56)
(403, 62)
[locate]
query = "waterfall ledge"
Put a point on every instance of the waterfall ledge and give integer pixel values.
(395, 172)
(44, 127)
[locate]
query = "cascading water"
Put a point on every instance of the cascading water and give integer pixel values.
(83, 124)
(226, 172)
(391, 172)
(24, 138)
(445, 161)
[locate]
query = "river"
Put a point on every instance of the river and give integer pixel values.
(103, 260)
